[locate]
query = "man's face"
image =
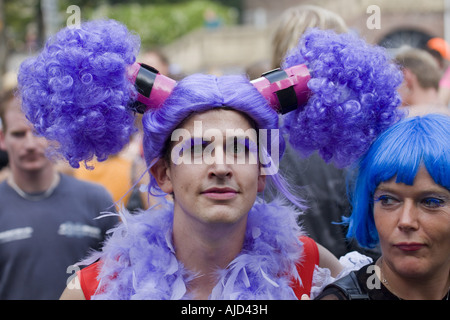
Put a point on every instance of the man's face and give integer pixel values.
(219, 190)
(26, 152)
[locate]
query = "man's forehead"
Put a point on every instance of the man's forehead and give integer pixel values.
(14, 118)
(221, 119)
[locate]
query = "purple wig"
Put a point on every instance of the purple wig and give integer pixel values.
(76, 91)
(198, 93)
(353, 99)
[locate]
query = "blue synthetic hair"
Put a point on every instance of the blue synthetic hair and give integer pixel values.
(353, 96)
(398, 152)
(76, 90)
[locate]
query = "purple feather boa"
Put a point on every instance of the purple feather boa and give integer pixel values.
(140, 259)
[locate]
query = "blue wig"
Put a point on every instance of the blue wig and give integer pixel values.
(398, 152)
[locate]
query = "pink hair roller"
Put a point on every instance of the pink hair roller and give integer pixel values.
(285, 90)
(153, 87)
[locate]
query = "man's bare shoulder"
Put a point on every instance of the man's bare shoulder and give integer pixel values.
(73, 291)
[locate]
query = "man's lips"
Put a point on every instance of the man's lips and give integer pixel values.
(220, 193)
(31, 156)
(409, 246)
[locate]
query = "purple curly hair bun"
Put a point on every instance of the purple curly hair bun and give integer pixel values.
(76, 91)
(353, 96)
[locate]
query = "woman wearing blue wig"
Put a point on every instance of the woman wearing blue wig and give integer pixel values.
(401, 200)
(211, 142)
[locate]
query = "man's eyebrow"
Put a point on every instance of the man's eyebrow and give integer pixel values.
(238, 137)
(194, 141)
(241, 139)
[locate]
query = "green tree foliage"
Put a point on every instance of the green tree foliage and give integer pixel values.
(160, 24)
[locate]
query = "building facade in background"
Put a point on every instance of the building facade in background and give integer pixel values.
(385, 22)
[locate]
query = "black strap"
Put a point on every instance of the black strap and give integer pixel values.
(144, 84)
(145, 79)
(349, 286)
(287, 97)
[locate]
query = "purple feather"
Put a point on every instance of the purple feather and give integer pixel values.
(138, 261)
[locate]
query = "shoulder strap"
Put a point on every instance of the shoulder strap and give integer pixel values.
(349, 286)
(305, 267)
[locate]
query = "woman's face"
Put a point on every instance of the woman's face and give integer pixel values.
(413, 223)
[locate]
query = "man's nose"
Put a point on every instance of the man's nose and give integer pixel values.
(219, 163)
(31, 141)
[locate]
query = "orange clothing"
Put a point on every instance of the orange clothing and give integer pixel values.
(114, 174)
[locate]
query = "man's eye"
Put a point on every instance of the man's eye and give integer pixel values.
(196, 147)
(18, 134)
(239, 148)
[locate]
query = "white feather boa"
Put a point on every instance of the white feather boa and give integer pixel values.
(138, 260)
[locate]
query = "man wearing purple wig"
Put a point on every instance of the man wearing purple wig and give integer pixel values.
(212, 143)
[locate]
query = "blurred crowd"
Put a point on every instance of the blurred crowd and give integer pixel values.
(47, 217)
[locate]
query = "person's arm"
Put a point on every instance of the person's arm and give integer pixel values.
(73, 292)
(329, 261)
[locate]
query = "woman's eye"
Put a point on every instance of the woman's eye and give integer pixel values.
(433, 203)
(385, 200)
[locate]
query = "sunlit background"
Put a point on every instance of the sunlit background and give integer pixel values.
(212, 36)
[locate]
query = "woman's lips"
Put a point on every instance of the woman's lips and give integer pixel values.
(409, 246)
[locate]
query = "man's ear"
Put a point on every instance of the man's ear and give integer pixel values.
(261, 183)
(410, 78)
(161, 172)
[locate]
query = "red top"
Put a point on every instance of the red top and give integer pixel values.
(305, 267)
